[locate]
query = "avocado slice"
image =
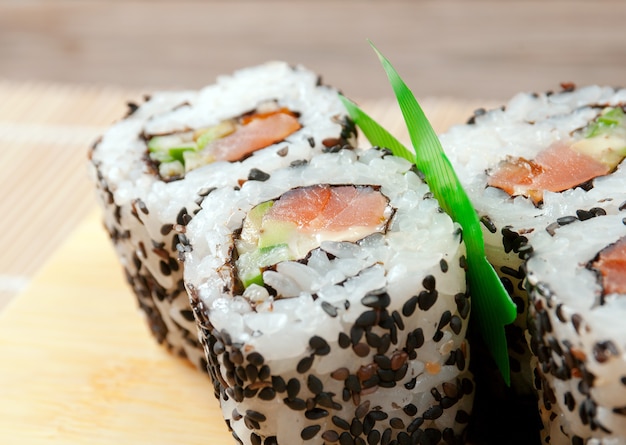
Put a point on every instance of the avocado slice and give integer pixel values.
(605, 138)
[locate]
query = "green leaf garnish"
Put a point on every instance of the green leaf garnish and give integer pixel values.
(492, 308)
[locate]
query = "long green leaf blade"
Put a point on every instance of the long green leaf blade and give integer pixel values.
(375, 133)
(492, 308)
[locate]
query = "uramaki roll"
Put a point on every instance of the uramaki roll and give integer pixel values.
(333, 305)
(540, 161)
(577, 288)
(154, 167)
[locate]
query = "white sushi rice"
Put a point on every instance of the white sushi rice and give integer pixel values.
(583, 393)
(145, 215)
(321, 297)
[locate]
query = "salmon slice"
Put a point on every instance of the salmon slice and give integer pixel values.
(326, 208)
(301, 219)
(258, 131)
(555, 169)
(611, 263)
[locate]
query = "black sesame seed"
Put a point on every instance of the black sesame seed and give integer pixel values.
(264, 372)
(252, 372)
(295, 404)
(346, 439)
(386, 437)
(278, 383)
(564, 220)
(314, 384)
(251, 424)
(166, 229)
(431, 436)
(356, 333)
(258, 175)
(401, 372)
(385, 342)
(386, 375)
(397, 318)
(598, 211)
(456, 324)
(438, 336)
(319, 345)
(467, 386)
(366, 319)
(356, 427)
(305, 364)
(378, 415)
(298, 163)
(447, 402)
(429, 282)
(411, 384)
(255, 415)
(584, 215)
(255, 439)
(310, 432)
(325, 399)
(427, 299)
(396, 423)
(409, 306)
(344, 340)
(255, 359)
(329, 308)
(372, 339)
(445, 319)
(418, 334)
(515, 273)
(382, 361)
(352, 383)
(373, 437)
(489, 225)
(340, 423)
(315, 413)
(415, 423)
(621, 410)
(462, 417)
(267, 393)
(293, 388)
(570, 401)
(403, 438)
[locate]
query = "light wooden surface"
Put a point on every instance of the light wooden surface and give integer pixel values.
(79, 367)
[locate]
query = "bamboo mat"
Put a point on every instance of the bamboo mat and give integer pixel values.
(45, 132)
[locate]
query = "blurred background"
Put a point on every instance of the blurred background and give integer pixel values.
(67, 69)
(464, 49)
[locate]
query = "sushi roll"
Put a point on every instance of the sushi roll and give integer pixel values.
(577, 288)
(333, 306)
(153, 169)
(540, 161)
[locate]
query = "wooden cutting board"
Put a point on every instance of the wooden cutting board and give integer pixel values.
(79, 366)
